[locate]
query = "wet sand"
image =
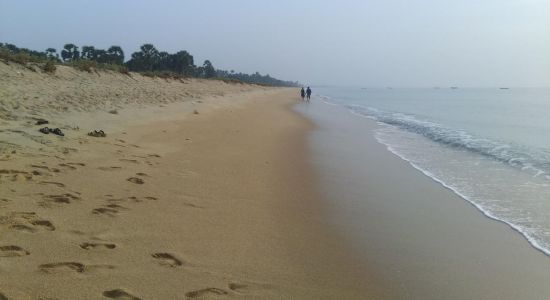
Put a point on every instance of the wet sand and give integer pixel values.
(420, 239)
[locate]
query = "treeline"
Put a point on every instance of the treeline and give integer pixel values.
(255, 78)
(113, 55)
(147, 61)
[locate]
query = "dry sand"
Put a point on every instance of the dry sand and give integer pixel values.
(171, 204)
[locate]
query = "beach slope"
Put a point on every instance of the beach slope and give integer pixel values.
(205, 193)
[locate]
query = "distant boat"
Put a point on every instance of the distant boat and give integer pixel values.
(454, 87)
(504, 88)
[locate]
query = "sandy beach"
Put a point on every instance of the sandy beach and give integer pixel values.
(201, 189)
(273, 150)
(211, 190)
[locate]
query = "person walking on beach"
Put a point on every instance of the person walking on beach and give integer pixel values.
(308, 92)
(303, 93)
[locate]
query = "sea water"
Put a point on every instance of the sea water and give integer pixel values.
(491, 146)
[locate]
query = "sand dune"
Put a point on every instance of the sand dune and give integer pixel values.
(67, 98)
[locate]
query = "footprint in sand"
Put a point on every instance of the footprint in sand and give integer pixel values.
(40, 167)
(116, 206)
(115, 200)
(44, 223)
(89, 246)
(110, 209)
(110, 168)
(68, 166)
(42, 170)
(13, 251)
(71, 266)
(135, 199)
(191, 205)
(111, 212)
(76, 164)
(15, 175)
(53, 170)
(167, 259)
(22, 227)
(136, 180)
(27, 222)
(129, 160)
(112, 200)
(58, 184)
(27, 215)
(72, 165)
(203, 292)
(237, 286)
(63, 198)
(119, 294)
(11, 172)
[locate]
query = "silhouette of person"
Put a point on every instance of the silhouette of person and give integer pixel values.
(303, 93)
(308, 92)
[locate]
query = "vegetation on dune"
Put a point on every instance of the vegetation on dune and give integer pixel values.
(255, 78)
(11, 52)
(148, 61)
(49, 67)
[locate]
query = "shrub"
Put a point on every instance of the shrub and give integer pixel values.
(167, 75)
(84, 65)
(148, 74)
(229, 80)
(49, 67)
(123, 69)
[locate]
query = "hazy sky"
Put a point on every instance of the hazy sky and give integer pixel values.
(345, 42)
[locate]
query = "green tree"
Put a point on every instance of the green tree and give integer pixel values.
(182, 63)
(116, 55)
(101, 56)
(51, 53)
(150, 56)
(145, 59)
(12, 48)
(162, 62)
(88, 52)
(208, 69)
(70, 52)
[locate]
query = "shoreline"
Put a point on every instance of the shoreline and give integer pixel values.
(532, 242)
(173, 204)
(419, 238)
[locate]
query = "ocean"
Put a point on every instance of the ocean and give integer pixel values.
(491, 146)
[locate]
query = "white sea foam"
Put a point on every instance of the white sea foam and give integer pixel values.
(528, 159)
(487, 212)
